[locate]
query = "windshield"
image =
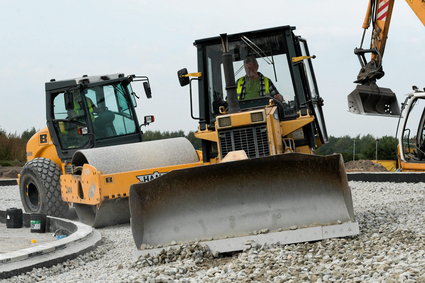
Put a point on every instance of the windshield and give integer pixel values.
(107, 108)
(269, 56)
(414, 133)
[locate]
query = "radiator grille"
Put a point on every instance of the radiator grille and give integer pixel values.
(251, 139)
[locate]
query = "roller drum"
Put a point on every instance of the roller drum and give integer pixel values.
(123, 158)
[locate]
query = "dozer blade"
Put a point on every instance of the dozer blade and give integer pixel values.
(110, 212)
(373, 100)
(294, 197)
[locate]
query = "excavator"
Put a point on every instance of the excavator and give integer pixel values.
(258, 178)
(367, 98)
(370, 99)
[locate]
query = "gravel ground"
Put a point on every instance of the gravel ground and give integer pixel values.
(390, 248)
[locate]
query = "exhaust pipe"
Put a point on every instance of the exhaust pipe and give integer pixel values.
(229, 75)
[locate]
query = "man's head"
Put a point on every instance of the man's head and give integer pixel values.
(251, 67)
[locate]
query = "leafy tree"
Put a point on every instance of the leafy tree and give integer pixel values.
(387, 148)
(157, 135)
(365, 147)
(195, 141)
(27, 134)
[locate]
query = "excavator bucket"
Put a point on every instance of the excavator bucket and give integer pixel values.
(373, 100)
(285, 198)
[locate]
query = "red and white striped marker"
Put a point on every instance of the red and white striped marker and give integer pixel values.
(382, 10)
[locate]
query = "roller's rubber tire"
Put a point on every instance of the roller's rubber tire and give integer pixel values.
(39, 187)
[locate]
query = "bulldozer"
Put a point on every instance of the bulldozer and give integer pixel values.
(257, 178)
(80, 162)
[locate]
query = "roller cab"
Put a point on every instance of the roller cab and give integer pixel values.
(260, 180)
(87, 155)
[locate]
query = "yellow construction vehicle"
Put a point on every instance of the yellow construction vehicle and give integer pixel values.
(92, 140)
(411, 133)
(259, 174)
(368, 98)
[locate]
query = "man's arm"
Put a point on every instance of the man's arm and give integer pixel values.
(274, 92)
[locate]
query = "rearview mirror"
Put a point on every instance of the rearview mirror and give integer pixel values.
(147, 88)
(183, 80)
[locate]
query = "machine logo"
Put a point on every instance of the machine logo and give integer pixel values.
(43, 138)
(150, 177)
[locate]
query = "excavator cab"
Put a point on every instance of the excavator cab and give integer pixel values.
(411, 133)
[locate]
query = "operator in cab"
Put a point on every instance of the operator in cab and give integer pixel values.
(254, 84)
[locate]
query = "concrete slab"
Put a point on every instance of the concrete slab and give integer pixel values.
(12, 239)
(18, 254)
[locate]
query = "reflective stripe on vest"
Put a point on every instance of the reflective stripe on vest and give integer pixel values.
(266, 85)
(241, 85)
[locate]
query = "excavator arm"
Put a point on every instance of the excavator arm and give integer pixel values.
(368, 98)
(379, 15)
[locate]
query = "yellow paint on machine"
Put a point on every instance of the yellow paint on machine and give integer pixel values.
(92, 187)
(390, 165)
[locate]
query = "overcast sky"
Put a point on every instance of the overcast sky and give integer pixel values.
(40, 40)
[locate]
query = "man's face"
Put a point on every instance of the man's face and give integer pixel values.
(251, 69)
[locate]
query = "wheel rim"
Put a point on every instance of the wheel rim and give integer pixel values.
(32, 196)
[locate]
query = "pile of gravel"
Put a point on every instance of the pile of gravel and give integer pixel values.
(390, 248)
(363, 166)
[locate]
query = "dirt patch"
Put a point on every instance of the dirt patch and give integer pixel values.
(9, 172)
(364, 166)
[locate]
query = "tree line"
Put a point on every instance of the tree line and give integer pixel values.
(13, 145)
(361, 147)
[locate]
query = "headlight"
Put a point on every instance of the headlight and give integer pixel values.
(224, 122)
(257, 117)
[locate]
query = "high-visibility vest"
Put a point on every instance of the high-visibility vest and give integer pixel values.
(77, 107)
(241, 86)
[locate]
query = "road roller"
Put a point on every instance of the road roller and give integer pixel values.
(260, 122)
(92, 150)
